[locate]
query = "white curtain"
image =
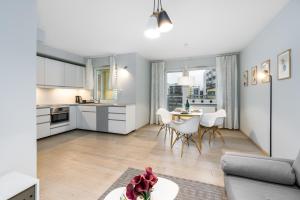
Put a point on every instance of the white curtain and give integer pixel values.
(157, 90)
(227, 89)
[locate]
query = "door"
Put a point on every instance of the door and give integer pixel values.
(40, 70)
(54, 73)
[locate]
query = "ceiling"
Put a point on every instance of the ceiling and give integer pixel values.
(201, 27)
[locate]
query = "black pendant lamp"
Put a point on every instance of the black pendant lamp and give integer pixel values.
(164, 22)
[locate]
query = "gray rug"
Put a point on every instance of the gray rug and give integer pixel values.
(188, 189)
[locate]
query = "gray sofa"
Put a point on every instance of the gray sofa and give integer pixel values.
(249, 177)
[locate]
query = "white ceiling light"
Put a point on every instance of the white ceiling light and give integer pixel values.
(152, 30)
(159, 22)
(185, 80)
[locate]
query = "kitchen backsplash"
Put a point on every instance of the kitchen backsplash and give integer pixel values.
(60, 95)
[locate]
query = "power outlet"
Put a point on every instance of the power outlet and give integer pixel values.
(28, 194)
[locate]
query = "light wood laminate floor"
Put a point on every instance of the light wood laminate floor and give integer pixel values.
(81, 165)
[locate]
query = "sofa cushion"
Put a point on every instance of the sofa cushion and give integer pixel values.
(238, 188)
(259, 168)
(296, 167)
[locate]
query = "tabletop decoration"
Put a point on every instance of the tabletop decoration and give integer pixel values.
(141, 186)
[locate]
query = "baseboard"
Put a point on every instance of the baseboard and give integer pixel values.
(257, 145)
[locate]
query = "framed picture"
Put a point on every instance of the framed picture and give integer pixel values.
(265, 68)
(245, 78)
(254, 75)
(284, 65)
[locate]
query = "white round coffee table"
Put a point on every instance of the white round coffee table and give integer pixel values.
(164, 189)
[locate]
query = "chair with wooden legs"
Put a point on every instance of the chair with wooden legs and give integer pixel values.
(184, 131)
(166, 119)
(210, 123)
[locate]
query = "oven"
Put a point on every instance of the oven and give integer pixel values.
(59, 114)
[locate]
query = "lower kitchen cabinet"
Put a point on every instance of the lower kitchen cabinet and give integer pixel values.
(73, 118)
(43, 122)
(87, 118)
(43, 130)
(121, 119)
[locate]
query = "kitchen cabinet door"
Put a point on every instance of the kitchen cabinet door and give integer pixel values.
(40, 70)
(70, 75)
(73, 118)
(80, 77)
(43, 130)
(54, 73)
(89, 120)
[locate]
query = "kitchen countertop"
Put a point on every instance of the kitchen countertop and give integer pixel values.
(77, 104)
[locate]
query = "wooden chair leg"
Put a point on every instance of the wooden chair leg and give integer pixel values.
(162, 127)
(176, 139)
(182, 145)
(210, 134)
(196, 143)
(171, 132)
(221, 136)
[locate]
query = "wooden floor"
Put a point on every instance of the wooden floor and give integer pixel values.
(81, 165)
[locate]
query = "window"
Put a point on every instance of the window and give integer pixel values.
(203, 88)
(102, 89)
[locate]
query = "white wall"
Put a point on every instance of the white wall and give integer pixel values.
(142, 87)
(47, 50)
(281, 34)
(133, 83)
(60, 95)
(200, 61)
(17, 85)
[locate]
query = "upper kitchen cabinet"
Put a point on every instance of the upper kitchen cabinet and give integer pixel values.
(54, 73)
(74, 76)
(80, 77)
(71, 75)
(40, 71)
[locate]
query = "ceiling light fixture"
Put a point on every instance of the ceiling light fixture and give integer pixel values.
(159, 22)
(164, 22)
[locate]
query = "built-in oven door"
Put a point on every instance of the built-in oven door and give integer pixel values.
(59, 117)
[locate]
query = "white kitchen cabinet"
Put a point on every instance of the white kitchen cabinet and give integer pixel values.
(80, 77)
(87, 118)
(70, 75)
(43, 130)
(54, 73)
(121, 119)
(40, 70)
(73, 117)
(43, 122)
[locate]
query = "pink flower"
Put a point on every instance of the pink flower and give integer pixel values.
(130, 193)
(151, 177)
(142, 186)
(136, 180)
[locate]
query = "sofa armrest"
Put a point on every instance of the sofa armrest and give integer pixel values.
(290, 161)
(259, 168)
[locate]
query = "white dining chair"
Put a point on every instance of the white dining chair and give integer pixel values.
(166, 119)
(185, 130)
(210, 123)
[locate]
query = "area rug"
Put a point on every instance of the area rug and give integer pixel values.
(188, 189)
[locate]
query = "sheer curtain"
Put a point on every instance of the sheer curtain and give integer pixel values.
(227, 89)
(157, 90)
